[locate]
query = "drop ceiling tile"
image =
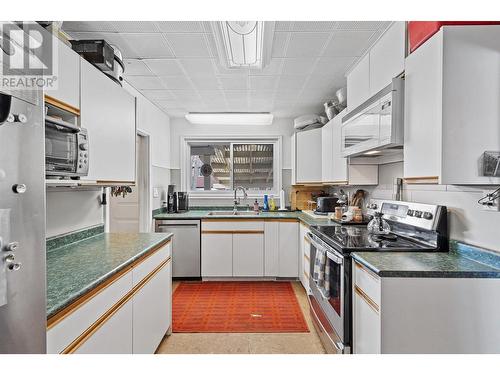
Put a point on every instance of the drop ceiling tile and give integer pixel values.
(236, 95)
(298, 66)
(145, 82)
(348, 43)
(167, 103)
(263, 82)
(176, 82)
(198, 66)
(82, 26)
(261, 94)
(188, 45)
(164, 67)
(209, 94)
(176, 112)
(333, 66)
(279, 44)
(158, 94)
(185, 95)
(180, 26)
(318, 82)
(273, 68)
(286, 95)
(313, 25)
(135, 27)
(291, 82)
(283, 25)
(306, 44)
(205, 82)
(234, 82)
(147, 45)
(212, 46)
(135, 67)
(361, 25)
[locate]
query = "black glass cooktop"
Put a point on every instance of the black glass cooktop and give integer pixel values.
(357, 238)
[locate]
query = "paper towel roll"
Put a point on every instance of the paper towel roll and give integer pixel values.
(282, 200)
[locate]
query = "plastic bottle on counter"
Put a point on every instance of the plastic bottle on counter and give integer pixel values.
(265, 206)
(272, 203)
(256, 206)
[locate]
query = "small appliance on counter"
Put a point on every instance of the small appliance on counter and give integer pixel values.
(182, 201)
(325, 205)
(412, 227)
(171, 199)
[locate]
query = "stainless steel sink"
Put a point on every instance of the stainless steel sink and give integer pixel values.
(232, 213)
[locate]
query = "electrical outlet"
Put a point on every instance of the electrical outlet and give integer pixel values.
(493, 206)
(156, 193)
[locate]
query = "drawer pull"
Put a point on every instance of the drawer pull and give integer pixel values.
(367, 299)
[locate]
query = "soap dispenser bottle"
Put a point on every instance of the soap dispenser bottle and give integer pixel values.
(256, 206)
(265, 206)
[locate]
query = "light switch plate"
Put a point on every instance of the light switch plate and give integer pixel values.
(156, 193)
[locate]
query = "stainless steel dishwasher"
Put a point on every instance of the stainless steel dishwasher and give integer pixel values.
(186, 248)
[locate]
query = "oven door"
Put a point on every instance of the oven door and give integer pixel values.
(61, 151)
(327, 287)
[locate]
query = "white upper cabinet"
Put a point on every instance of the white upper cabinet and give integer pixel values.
(378, 67)
(108, 113)
(358, 83)
(387, 57)
(339, 162)
(327, 152)
(308, 156)
(451, 106)
(68, 77)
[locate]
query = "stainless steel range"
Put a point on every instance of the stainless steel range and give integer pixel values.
(414, 227)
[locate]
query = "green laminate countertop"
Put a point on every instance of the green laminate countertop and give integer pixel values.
(76, 268)
(426, 265)
(271, 215)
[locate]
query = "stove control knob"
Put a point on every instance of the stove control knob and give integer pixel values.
(427, 215)
(418, 214)
(410, 212)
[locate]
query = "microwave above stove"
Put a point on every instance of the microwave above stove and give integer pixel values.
(66, 149)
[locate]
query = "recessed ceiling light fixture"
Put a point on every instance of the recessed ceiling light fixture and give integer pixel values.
(230, 118)
(244, 44)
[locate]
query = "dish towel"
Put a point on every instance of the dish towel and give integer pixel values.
(319, 268)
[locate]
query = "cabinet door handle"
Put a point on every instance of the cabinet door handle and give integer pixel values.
(367, 299)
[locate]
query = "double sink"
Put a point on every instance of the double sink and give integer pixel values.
(233, 213)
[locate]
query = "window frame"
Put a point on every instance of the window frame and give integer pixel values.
(185, 157)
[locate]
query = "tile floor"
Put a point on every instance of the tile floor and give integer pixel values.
(247, 343)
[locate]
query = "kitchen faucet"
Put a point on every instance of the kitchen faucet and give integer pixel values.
(237, 200)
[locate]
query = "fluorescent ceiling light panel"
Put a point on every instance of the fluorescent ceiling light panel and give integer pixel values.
(229, 118)
(244, 44)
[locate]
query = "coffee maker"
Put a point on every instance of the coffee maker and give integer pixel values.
(182, 201)
(171, 199)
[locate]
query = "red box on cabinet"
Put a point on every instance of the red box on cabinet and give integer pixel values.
(420, 31)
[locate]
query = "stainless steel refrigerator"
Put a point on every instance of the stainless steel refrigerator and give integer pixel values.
(22, 224)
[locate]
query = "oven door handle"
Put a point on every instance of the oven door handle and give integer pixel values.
(330, 254)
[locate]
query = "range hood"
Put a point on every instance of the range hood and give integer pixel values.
(374, 130)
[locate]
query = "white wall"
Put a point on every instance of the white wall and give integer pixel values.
(468, 222)
(70, 209)
(181, 127)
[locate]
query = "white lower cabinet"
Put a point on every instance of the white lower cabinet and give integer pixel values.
(115, 335)
(216, 254)
(151, 311)
(248, 254)
(424, 315)
(304, 261)
(127, 316)
(288, 249)
(250, 248)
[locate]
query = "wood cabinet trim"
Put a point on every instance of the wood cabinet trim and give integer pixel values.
(367, 271)
(422, 180)
(54, 319)
(307, 258)
(366, 298)
(61, 105)
(306, 275)
(80, 340)
(339, 182)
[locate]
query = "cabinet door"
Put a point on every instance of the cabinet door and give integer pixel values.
(216, 255)
(339, 162)
(271, 248)
(387, 57)
(304, 257)
(423, 111)
(366, 327)
(327, 152)
(114, 336)
(108, 113)
(358, 83)
(288, 249)
(152, 311)
(248, 254)
(68, 76)
(363, 174)
(308, 156)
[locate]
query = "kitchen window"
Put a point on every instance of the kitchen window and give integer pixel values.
(217, 166)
